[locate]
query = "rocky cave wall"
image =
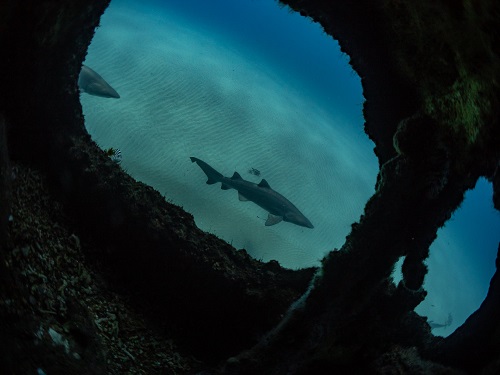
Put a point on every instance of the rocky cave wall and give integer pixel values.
(149, 248)
(430, 74)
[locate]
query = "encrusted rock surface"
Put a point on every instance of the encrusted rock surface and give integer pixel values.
(72, 322)
(100, 274)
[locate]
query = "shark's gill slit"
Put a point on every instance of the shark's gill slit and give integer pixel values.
(275, 102)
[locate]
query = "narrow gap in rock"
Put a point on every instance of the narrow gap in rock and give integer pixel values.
(397, 274)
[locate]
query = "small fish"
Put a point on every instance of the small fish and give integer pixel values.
(278, 207)
(254, 171)
(93, 84)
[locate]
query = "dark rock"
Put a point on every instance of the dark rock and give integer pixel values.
(5, 177)
(430, 73)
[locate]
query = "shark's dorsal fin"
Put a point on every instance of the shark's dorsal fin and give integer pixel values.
(236, 176)
(264, 184)
(242, 198)
(272, 219)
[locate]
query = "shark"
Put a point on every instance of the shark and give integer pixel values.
(278, 207)
(92, 83)
(448, 322)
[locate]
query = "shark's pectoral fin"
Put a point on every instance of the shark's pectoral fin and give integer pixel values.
(272, 219)
(210, 181)
(242, 198)
(224, 187)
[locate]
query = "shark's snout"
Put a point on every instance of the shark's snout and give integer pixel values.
(298, 218)
(92, 83)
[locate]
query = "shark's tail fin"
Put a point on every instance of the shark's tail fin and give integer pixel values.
(212, 174)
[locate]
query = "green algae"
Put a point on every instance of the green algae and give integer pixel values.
(448, 53)
(462, 109)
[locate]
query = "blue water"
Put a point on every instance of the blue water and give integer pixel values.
(462, 260)
(248, 84)
(292, 44)
(225, 88)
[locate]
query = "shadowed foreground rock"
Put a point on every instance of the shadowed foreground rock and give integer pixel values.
(120, 275)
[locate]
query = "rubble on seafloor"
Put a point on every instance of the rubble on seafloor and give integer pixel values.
(74, 318)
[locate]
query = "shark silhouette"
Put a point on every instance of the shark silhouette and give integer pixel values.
(93, 84)
(278, 207)
(448, 322)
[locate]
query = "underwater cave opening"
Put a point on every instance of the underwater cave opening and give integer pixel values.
(245, 86)
(461, 262)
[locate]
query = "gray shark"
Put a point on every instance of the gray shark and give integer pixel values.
(279, 208)
(93, 84)
(448, 322)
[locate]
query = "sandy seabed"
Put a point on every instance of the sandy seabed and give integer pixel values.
(187, 93)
